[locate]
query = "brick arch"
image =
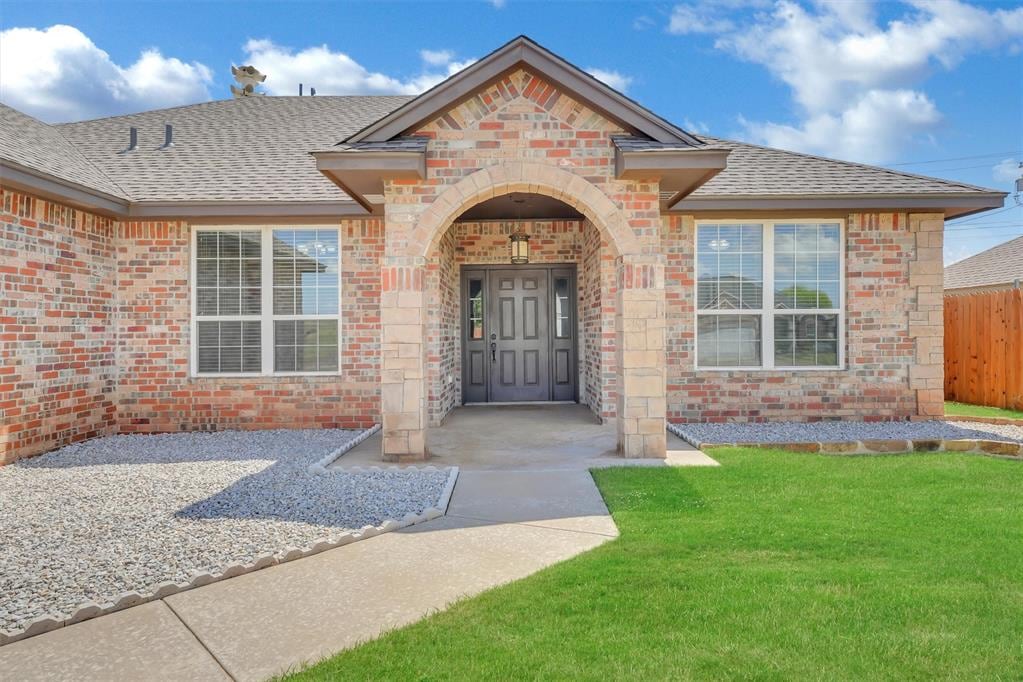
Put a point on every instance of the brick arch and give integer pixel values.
(532, 178)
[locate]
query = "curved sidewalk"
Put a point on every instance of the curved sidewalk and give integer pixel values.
(517, 507)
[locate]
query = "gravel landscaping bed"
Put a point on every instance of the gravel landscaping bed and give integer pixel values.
(93, 520)
(838, 432)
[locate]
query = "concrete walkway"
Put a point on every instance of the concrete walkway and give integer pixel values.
(511, 515)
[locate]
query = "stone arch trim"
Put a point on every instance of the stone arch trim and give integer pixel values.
(533, 178)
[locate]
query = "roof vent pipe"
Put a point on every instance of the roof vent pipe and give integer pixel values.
(168, 136)
(133, 138)
(299, 89)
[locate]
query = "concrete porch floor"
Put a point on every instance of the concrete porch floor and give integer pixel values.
(533, 437)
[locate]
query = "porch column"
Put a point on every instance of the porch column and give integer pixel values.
(642, 403)
(403, 348)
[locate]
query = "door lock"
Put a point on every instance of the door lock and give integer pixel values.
(493, 348)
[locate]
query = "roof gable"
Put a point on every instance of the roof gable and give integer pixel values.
(516, 54)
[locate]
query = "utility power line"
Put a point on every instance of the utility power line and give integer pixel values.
(954, 158)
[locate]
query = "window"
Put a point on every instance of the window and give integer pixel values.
(769, 294)
(265, 301)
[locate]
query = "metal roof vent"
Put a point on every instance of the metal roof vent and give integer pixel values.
(168, 136)
(133, 139)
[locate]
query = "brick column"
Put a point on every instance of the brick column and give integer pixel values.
(642, 403)
(403, 348)
(927, 321)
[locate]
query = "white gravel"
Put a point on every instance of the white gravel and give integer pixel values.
(111, 515)
(837, 432)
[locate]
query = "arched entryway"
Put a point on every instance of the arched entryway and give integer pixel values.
(409, 301)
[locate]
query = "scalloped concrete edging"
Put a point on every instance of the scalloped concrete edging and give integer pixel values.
(90, 609)
(320, 466)
(990, 448)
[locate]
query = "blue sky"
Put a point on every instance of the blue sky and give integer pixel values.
(927, 87)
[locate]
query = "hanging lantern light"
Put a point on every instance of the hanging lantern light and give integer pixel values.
(519, 240)
(519, 248)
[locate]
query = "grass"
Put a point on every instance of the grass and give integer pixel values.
(774, 566)
(966, 410)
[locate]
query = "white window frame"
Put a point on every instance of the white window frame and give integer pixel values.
(266, 317)
(767, 312)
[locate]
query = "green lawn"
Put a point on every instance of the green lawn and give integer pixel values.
(774, 566)
(967, 410)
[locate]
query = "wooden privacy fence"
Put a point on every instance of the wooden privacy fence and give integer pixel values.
(984, 348)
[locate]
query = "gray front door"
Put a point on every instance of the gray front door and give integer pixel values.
(518, 338)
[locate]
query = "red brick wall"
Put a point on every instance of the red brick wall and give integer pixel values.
(57, 355)
(157, 393)
(486, 243)
(880, 251)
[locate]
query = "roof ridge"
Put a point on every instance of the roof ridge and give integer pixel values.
(856, 164)
(212, 102)
(125, 193)
(77, 151)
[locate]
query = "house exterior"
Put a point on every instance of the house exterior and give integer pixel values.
(272, 262)
(997, 269)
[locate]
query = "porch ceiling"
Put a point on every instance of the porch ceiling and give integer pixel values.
(532, 207)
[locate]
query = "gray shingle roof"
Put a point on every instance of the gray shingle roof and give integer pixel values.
(762, 171)
(1002, 264)
(256, 149)
(412, 143)
(630, 143)
(41, 147)
(240, 150)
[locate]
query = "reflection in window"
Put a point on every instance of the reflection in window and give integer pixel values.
(305, 272)
(562, 309)
(806, 340)
(807, 259)
(305, 346)
(475, 309)
(729, 269)
(728, 340)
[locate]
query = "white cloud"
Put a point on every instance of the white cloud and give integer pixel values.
(617, 80)
(59, 74)
(699, 18)
(856, 83)
(698, 127)
(498, 4)
(1006, 171)
(335, 73)
(437, 57)
(869, 129)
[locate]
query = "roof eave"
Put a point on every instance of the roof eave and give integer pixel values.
(50, 186)
(952, 205)
(506, 58)
(245, 210)
(360, 174)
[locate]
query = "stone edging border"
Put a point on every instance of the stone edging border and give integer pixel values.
(991, 448)
(89, 610)
(1004, 421)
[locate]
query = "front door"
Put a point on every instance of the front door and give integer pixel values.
(518, 338)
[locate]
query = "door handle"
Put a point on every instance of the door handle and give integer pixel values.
(493, 352)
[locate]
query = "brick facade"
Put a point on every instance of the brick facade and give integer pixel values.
(894, 323)
(576, 242)
(95, 316)
(57, 335)
(157, 392)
